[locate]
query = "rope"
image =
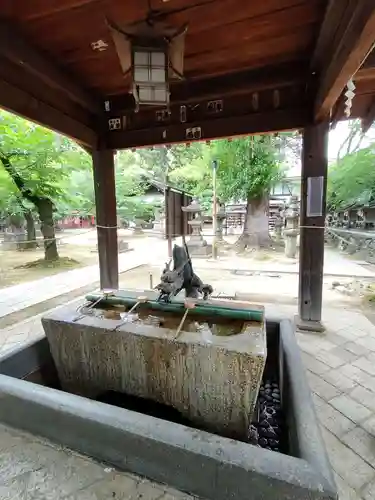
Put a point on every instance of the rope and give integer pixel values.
(45, 240)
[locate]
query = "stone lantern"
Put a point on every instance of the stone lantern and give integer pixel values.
(291, 229)
(158, 224)
(197, 245)
(278, 224)
(220, 217)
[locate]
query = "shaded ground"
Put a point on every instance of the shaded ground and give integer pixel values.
(136, 278)
(77, 248)
(17, 266)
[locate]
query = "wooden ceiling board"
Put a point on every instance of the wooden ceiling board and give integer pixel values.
(290, 43)
(221, 33)
(231, 33)
(78, 28)
(250, 31)
(42, 9)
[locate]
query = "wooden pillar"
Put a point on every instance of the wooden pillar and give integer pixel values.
(106, 217)
(312, 221)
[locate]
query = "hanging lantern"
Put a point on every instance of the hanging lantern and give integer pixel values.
(150, 76)
(152, 56)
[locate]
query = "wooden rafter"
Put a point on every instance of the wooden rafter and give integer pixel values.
(341, 53)
(369, 119)
(30, 83)
(20, 102)
(16, 48)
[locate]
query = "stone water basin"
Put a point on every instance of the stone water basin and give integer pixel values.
(136, 435)
(210, 374)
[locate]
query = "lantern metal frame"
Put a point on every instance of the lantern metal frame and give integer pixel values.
(150, 40)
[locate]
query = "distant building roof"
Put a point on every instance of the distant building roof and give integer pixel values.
(159, 186)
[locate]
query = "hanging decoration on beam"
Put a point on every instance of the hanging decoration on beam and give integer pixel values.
(349, 94)
(151, 53)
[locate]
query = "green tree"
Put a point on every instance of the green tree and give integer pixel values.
(352, 179)
(161, 161)
(130, 185)
(248, 168)
(38, 162)
(194, 175)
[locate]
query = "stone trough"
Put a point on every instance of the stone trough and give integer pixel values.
(204, 463)
(213, 383)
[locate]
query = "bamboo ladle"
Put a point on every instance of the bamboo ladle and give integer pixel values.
(142, 299)
(189, 304)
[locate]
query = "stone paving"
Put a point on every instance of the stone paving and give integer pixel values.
(32, 469)
(341, 370)
(24, 295)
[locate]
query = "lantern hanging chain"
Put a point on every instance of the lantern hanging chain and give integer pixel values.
(150, 14)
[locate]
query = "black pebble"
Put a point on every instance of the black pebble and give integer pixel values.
(268, 398)
(269, 433)
(273, 422)
(263, 441)
(273, 442)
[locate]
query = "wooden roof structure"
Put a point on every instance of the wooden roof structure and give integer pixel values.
(249, 66)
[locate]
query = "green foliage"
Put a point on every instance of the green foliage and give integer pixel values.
(9, 197)
(160, 161)
(352, 179)
(195, 176)
(248, 167)
(54, 167)
(43, 160)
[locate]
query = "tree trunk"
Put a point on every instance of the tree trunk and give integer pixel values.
(44, 207)
(45, 211)
(255, 233)
(30, 229)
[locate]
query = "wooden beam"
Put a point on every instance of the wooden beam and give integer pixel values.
(370, 61)
(15, 47)
(346, 55)
(20, 78)
(254, 123)
(275, 77)
(21, 103)
(369, 119)
(328, 32)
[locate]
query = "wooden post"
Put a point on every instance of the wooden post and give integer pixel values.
(214, 209)
(312, 222)
(106, 217)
